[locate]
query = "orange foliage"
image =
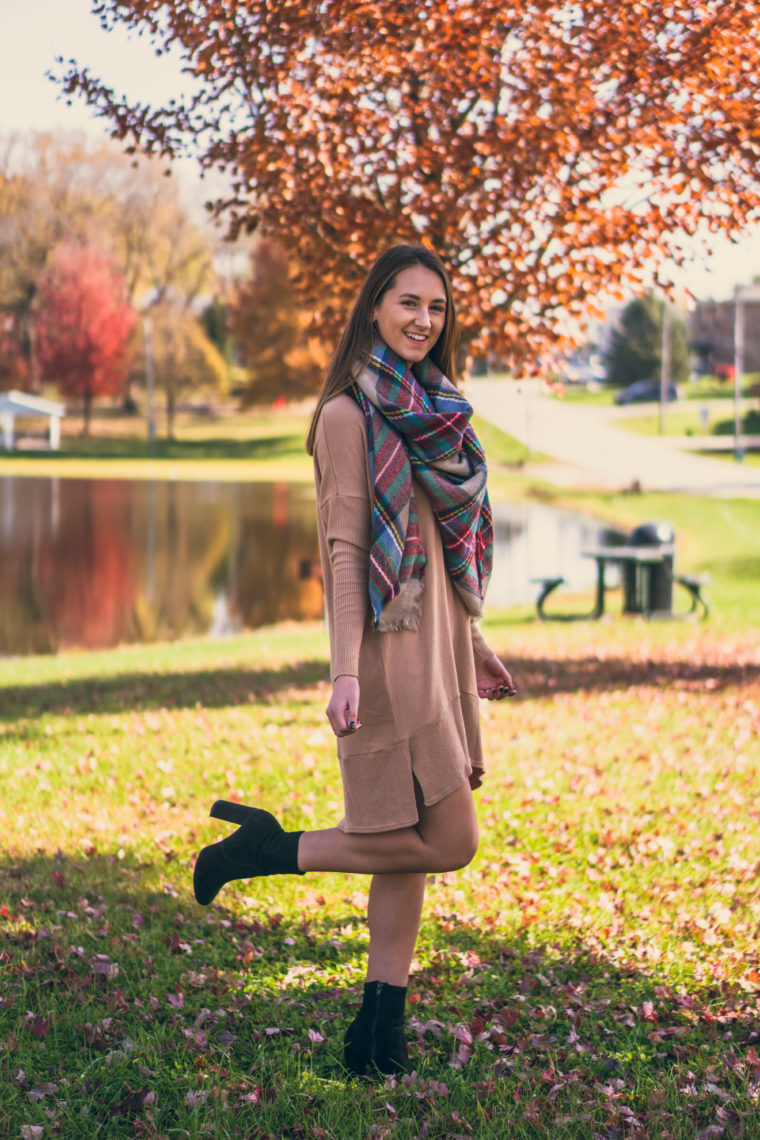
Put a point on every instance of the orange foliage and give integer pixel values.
(547, 150)
(270, 330)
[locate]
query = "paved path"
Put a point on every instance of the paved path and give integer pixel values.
(593, 452)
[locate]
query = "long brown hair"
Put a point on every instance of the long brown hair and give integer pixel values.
(356, 341)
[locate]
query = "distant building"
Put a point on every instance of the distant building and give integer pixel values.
(712, 335)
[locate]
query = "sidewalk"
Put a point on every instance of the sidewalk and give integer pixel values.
(591, 451)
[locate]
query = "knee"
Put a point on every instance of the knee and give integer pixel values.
(461, 850)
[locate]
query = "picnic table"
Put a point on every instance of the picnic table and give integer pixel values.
(647, 573)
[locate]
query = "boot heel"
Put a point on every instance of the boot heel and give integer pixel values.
(355, 1060)
(232, 813)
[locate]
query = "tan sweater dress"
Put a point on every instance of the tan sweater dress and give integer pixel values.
(418, 706)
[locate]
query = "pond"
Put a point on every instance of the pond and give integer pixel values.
(97, 563)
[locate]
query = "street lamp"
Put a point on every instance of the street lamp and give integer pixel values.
(742, 294)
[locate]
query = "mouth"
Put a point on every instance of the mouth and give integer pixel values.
(416, 338)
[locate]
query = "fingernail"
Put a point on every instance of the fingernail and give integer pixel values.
(352, 724)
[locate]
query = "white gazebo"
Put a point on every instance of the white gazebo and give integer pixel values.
(14, 404)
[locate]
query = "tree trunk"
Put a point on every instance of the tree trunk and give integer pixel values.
(28, 339)
(86, 413)
(169, 413)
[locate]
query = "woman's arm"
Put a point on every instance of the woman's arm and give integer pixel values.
(345, 509)
(493, 679)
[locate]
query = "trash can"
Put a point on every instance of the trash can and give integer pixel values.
(648, 589)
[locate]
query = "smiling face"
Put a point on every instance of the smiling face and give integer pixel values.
(411, 314)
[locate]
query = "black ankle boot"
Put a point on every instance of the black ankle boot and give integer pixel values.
(376, 1035)
(357, 1041)
(259, 847)
(389, 1049)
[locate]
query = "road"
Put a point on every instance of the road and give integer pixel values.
(592, 451)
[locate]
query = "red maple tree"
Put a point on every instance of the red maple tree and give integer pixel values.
(83, 325)
(547, 150)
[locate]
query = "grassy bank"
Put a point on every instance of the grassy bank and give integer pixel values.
(254, 446)
(680, 421)
(594, 972)
(715, 537)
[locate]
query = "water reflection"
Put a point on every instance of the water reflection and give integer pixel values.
(96, 563)
(533, 541)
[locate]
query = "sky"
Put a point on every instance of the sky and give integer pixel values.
(34, 32)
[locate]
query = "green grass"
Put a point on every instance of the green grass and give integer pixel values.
(701, 388)
(503, 450)
(254, 445)
(602, 951)
(711, 388)
(676, 422)
(750, 457)
(717, 537)
(679, 421)
(594, 397)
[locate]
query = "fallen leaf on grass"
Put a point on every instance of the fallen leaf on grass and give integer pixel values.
(137, 1099)
(196, 1097)
(38, 1025)
(47, 1089)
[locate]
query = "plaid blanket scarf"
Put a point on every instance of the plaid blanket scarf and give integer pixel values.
(418, 425)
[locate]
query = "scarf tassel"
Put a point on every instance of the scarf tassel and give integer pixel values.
(405, 610)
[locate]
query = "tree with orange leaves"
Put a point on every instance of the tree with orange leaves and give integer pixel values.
(270, 331)
(547, 149)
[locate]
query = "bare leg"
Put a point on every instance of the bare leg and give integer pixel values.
(445, 839)
(394, 912)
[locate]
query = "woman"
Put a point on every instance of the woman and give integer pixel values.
(405, 537)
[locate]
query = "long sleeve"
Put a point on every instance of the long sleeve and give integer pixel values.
(347, 531)
(344, 509)
(480, 648)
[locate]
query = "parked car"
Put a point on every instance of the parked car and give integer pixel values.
(645, 391)
(581, 371)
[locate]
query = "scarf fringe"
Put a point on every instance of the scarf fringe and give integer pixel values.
(405, 610)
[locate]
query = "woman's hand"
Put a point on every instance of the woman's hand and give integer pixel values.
(343, 709)
(493, 680)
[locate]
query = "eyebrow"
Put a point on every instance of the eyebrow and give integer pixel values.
(415, 297)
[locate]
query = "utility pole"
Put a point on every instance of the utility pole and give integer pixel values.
(664, 363)
(738, 369)
(149, 385)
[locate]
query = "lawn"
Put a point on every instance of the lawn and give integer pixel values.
(265, 446)
(260, 446)
(680, 421)
(594, 973)
(698, 388)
